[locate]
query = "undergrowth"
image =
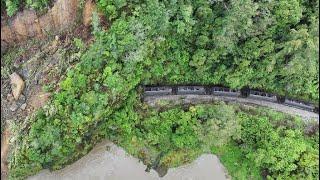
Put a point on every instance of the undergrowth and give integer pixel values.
(12, 6)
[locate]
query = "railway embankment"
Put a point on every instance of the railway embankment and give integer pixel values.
(158, 100)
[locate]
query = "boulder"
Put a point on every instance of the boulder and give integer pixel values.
(17, 85)
(10, 97)
(23, 106)
(14, 107)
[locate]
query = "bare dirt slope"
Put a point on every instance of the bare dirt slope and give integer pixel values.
(40, 65)
(4, 152)
(27, 24)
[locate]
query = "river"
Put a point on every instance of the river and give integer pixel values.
(114, 163)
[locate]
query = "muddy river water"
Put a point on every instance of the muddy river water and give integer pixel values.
(116, 164)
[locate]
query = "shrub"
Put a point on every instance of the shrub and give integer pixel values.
(280, 150)
(12, 7)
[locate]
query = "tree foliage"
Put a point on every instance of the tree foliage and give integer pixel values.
(12, 6)
(271, 45)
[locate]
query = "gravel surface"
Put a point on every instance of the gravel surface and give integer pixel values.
(196, 99)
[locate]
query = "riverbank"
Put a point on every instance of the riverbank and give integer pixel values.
(108, 161)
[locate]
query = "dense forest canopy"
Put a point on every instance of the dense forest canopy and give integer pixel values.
(269, 45)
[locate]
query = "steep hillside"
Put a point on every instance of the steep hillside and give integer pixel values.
(266, 45)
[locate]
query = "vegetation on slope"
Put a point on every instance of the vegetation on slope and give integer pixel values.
(12, 6)
(251, 143)
(266, 45)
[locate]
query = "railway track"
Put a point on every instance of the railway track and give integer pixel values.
(224, 91)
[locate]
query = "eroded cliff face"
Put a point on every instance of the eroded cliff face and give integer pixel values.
(4, 153)
(40, 62)
(62, 16)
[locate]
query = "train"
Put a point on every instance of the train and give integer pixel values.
(225, 91)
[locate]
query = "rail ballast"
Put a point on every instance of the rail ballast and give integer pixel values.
(225, 91)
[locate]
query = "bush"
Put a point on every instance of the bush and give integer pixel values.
(12, 6)
(280, 150)
(37, 4)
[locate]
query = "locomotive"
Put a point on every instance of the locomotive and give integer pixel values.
(225, 91)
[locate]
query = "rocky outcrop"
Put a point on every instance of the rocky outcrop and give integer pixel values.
(17, 85)
(89, 8)
(62, 16)
(39, 98)
(27, 24)
(4, 153)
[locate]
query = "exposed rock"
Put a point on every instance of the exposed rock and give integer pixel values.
(89, 7)
(4, 45)
(33, 27)
(4, 153)
(10, 97)
(6, 34)
(161, 170)
(27, 24)
(23, 106)
(16, 63)
(19, 28)
(46, 24)
(17, 85)
(22, 98)
(54, 46)
(14, 107)
(39, 99)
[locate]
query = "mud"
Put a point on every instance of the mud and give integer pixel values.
(115, 164)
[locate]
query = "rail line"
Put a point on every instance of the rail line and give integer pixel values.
(224, 91)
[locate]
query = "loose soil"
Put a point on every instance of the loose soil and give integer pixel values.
(41, 64)
(4, 152)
